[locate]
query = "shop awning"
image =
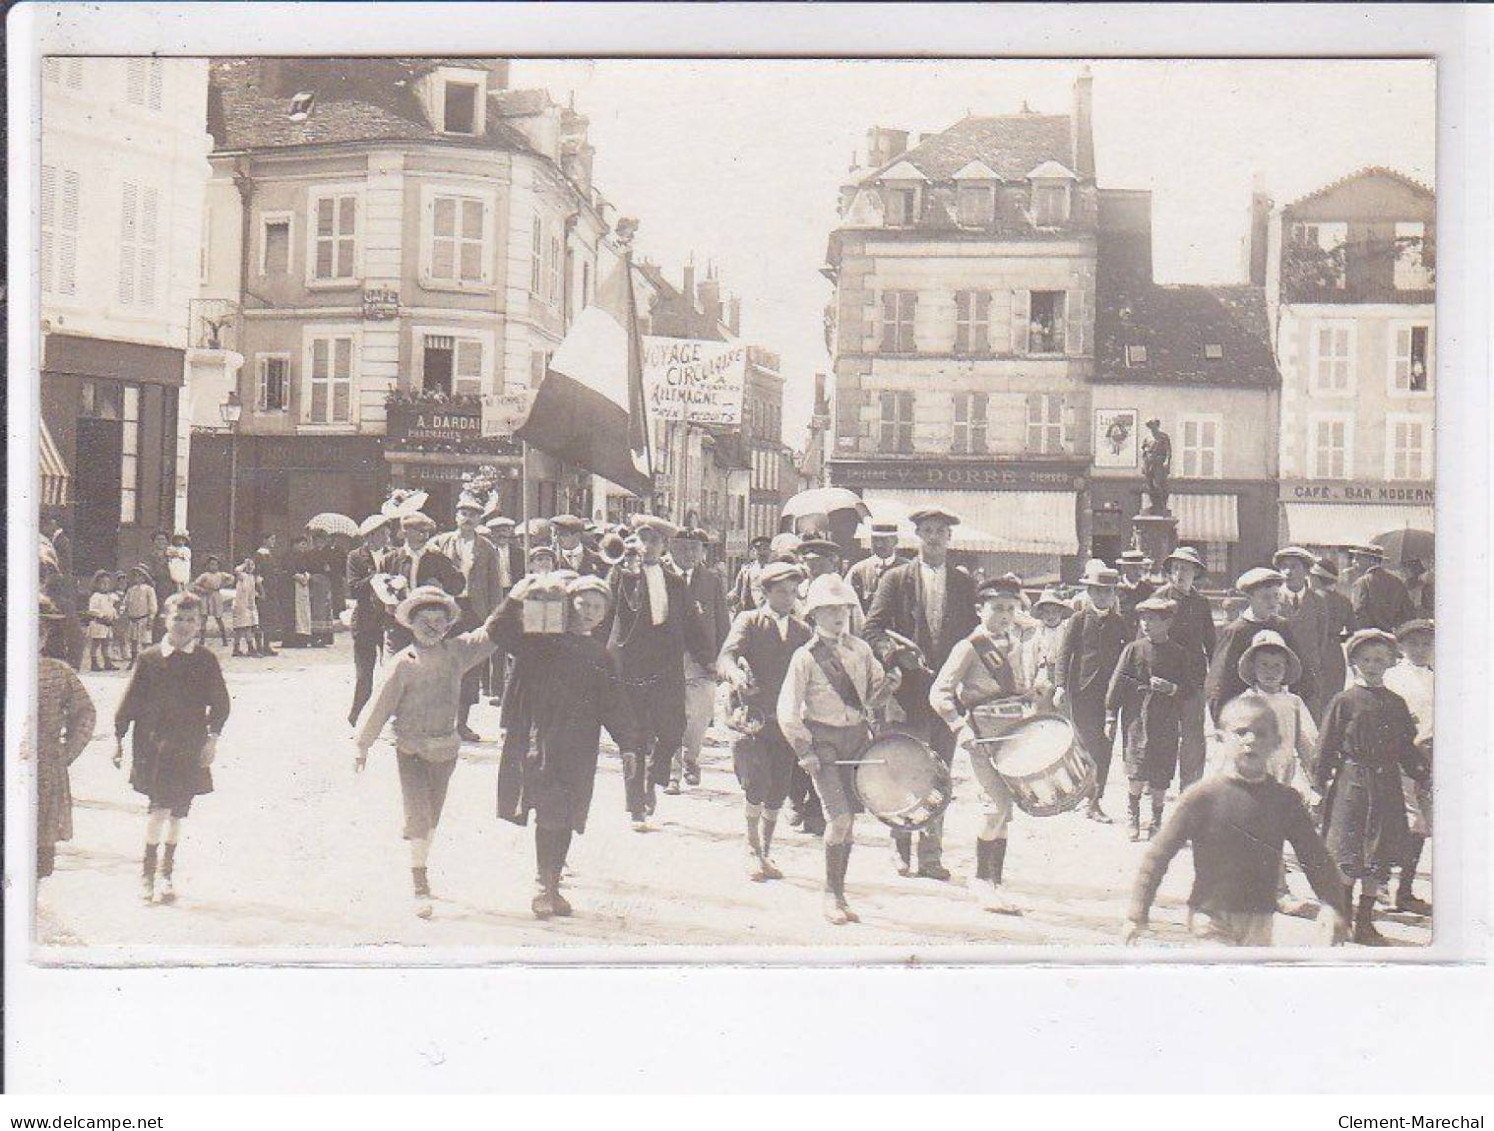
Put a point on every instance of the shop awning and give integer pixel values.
(1350, 524)
(54, 474)
(1207, 518)
(995, 522)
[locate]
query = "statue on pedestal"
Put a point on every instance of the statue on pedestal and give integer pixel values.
(1156, 466)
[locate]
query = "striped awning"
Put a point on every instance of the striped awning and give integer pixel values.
(994, 522)
(1350, 524)
(54, 474)
(1207, 518)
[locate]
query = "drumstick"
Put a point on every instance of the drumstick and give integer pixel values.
(861, 762)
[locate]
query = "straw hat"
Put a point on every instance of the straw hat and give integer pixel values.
(1097, 572)
(425, 597)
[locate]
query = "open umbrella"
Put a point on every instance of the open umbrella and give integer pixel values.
(824, 500)
(330, 522)
(1400, 545)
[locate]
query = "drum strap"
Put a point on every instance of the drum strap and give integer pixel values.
(835, 672)
(996, 665)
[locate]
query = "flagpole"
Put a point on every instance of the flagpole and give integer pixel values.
(524, 501)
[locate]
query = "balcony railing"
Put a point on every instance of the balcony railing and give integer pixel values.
(214, 324)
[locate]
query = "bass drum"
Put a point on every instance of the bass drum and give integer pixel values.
(902, 782)
(1040, 761)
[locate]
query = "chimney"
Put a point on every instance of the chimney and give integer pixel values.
(734, 316)
(687, 288)
(1084, 125)
(882, 145)
(710, 299)
(1260, 229)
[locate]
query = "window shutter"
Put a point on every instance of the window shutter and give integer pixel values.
(261, 396)
(156, 78)
(135, 81)
(1021, 320)
(912, 319)
(128, 235)
(146, 280)
(48, 220)
(1034, 431)
(467, 367)
(1074, 322)
(869, 328)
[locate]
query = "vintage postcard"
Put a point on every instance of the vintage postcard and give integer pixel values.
(515, 508)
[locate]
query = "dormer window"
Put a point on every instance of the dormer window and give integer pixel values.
(1213, 352)
(902, 207)
(460, 108)
(1135, 356)
(300, 107)
(977, 205)
(1050, 204)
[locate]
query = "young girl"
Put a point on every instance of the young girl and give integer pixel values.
(177, 702)
(209, 586)
(1368, 740)
(102, 612)
(1145, 697)
(140, 610)
(246, 609)
(120, 638)
(179, 562)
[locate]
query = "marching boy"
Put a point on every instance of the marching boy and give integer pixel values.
(178, 703)
(1145, 698)
(1238, 821)
(421, 692)
(833, 686)
(1368, 740)
(754, 661)
(1411, 679)
(986, 666)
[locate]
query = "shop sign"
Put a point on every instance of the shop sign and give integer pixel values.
(504, 413)
(1367, 491)
(380, 304)
(417, 423)
(957, 474)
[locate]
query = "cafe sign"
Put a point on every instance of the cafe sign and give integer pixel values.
(380, 304)
(969, 475)
(435, 423)
(1366, 491)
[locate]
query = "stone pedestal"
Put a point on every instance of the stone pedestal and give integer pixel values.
(1157, 535)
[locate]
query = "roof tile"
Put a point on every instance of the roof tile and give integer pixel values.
(1012, 145)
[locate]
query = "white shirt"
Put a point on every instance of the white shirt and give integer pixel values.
(658, 593)
(415, 556)
(466, 545)
(1414, 685)
(574, 557)
(933, 595)
(167, 648)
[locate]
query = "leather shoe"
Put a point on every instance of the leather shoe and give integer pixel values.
(467, 734)
(933, 872)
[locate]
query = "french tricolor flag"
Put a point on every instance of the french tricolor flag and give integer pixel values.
(589, 409)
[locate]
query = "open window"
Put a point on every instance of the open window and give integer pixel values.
(460, 108)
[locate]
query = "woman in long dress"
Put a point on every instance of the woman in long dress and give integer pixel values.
(319, 589)
(298, 630)
(64, 724)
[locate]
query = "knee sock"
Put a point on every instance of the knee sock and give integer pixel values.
(983, 859)
(168, 859)
(997, 859)
(148, 865)
(1159, 801)
(1365, 913)
(770, 819)
(1133, 807)
(1408, 867)
(754, 837)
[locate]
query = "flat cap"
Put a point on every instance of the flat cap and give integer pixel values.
(1007, 585)
(774, 572)
(934, 514)
(1158, 606)
(1258, 577)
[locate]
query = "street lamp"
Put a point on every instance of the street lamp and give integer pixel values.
(231, 410)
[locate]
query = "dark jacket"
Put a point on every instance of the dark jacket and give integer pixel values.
(173, 703)
(707, 597)
(898, 606)
(1089, 651)
(1192, 627)
(866, 575)
(368, 610)
(483, 591)
(1381, 601)
(1224, 681)
(650, 658)
(754, 637)
(435, 569)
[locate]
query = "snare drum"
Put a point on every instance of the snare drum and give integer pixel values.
(902, 782)
(1040, 760)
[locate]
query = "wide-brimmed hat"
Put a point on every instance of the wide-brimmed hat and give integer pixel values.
(1007, 585)
(829, 590)
(425, 597)
(660, 526)
(588, 584)
(402, 502)
(1257, 578)
(1370, 636)
(884, 530)
(1153, 422)
(935, 514)
(774, 572)
(1051, 598)
(785, 543)
(1097, 572)
(1325, 569)
(1268, 638)
(371, 523)
(1287, 553)
(1411, 627)
(1158, 606)
(1186, 554)
(611, 547)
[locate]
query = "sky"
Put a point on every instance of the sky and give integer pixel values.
(740, 162)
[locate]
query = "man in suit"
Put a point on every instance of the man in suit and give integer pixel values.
(1087, 657)
(1134, 586)
(368, 611)
(478, 560)
(1305, 610)
(647, 648)
(754, 661)
(705, 598)
(1193, 631)
(1379, 597)
(747, 589)
(571, 550)
(866, 574)
(931, 603)
(418, 563)
(1262, 588)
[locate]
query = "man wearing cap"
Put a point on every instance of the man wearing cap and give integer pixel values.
(1087, 657)
(1340, 622)
(571, 550)
(1134, 586)
(647, 648)
(1262, 588)
(418, 563)
(747, 588)
(866, 574)
(1304, 610)
(368, 611)
(1379, 597)
(500, 530)
(1193, 632)
(931, 605)
(477, 558)
(753, 662)
(821, 556)
(706, 599)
